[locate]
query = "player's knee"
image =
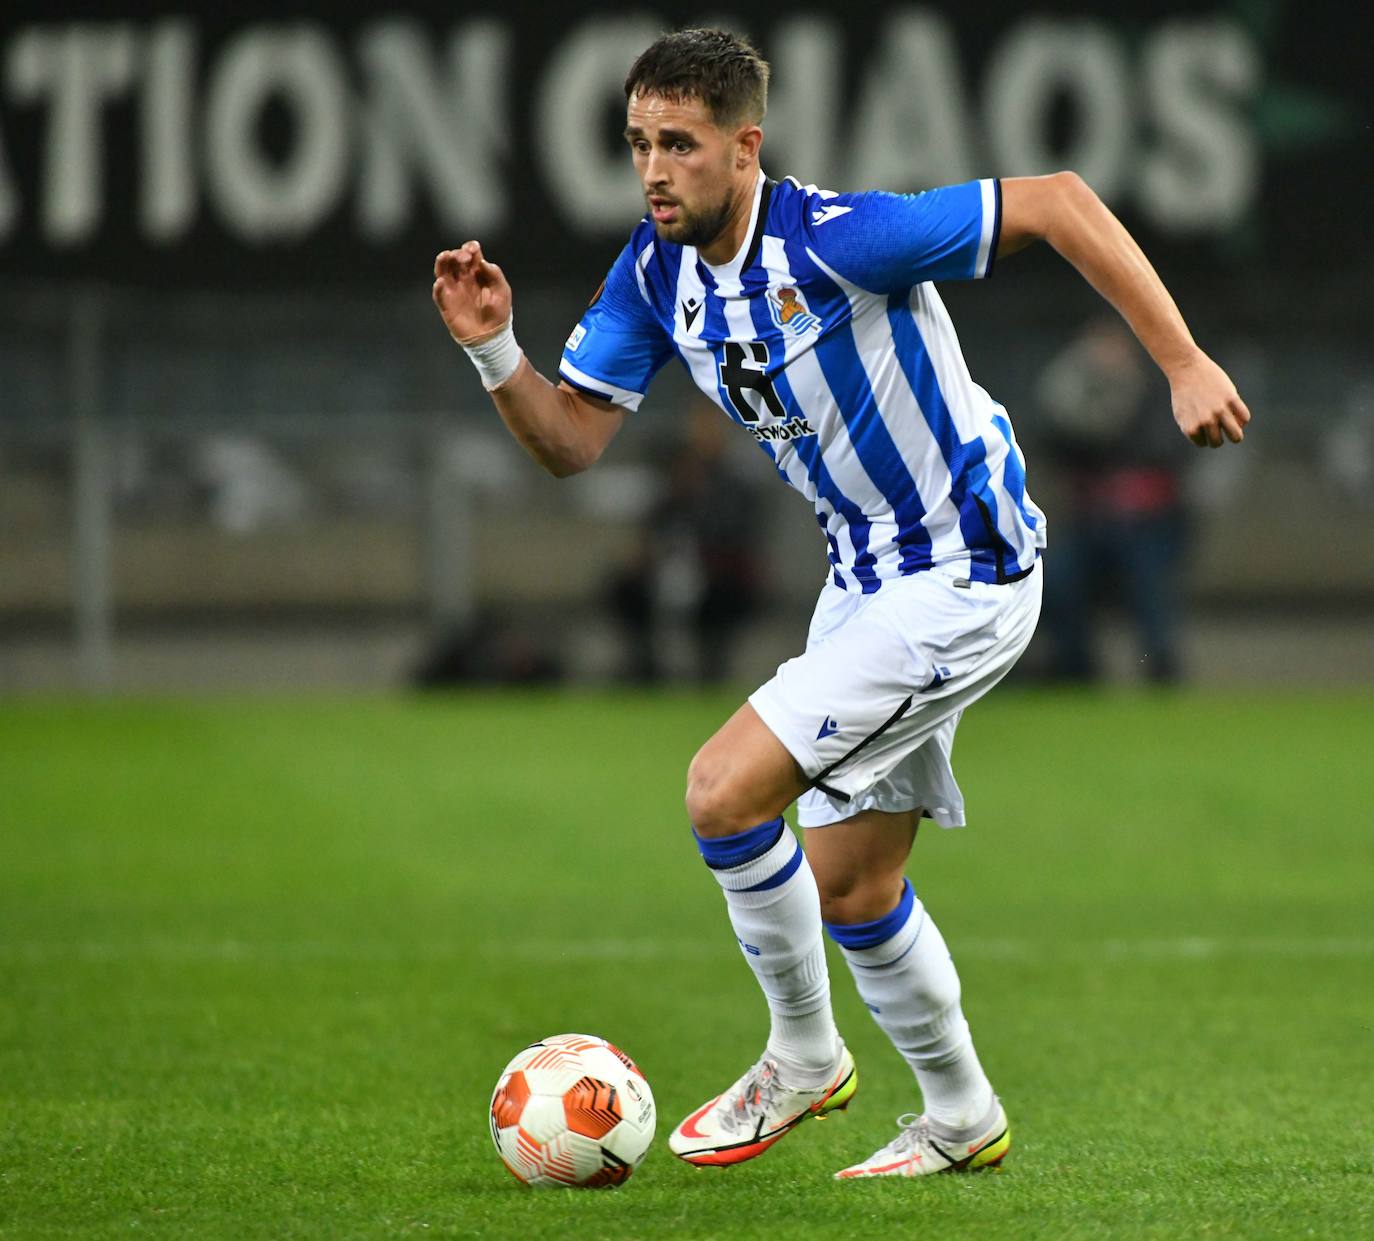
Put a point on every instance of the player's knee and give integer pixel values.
(717, 804)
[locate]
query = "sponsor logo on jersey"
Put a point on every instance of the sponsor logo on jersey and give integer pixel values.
(790, 312)
(575, 338)
(783, 432)
(823, 214)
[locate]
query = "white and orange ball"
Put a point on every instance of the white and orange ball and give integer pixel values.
(572, 1110)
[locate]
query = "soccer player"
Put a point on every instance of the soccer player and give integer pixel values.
(811, 318)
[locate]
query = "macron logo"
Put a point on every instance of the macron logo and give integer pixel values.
(824, 214)
(829, 728)
(690, 308)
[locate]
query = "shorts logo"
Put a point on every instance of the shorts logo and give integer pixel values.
(575, 338)
(829, 727)
(938, 676)
(790, 312)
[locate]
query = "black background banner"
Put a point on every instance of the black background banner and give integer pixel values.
(148, 145)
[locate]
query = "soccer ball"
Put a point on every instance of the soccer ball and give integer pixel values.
(572, 1110)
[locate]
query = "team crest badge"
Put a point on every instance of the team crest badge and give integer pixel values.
(790, 312)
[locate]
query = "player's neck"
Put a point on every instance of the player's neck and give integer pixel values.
(730, 239)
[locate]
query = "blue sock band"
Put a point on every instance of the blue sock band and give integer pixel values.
(727, 852)
(790, 868)
(880, 930)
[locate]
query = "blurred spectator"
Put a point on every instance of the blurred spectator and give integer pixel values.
(250, 484)
(494, 650)
(1118, 534)
(696, 564)
(1347, 450)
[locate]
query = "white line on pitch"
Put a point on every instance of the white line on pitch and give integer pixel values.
(1182, 948)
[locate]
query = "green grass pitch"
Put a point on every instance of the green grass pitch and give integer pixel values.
(261, 963)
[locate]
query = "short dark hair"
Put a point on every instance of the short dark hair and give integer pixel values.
(723, 70)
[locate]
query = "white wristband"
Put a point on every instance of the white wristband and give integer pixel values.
(497, 357)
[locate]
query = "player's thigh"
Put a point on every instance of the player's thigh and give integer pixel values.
(851, 707)
(741, 777)
(860, 863)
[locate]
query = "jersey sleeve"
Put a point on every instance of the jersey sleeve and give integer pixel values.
(618, 346)
(889, 242)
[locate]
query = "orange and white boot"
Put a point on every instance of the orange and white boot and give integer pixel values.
(756, 1111)
(920, 1149)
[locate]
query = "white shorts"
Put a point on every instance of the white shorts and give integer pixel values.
(869, 711)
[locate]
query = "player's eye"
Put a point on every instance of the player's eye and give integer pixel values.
(681, 147)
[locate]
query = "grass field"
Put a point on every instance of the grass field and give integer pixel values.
(260, 964)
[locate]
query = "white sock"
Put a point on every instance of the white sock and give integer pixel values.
(904, 974)
(775, 909)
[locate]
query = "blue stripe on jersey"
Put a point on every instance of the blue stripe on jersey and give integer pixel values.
(808, 452)
(660, 278)
(1014, 471)
(714, 327)
(833, 553)
(834, 544)
(838, 356)
(971, 490)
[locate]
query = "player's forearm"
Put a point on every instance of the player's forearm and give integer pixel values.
(547, 422)
(1064, 210)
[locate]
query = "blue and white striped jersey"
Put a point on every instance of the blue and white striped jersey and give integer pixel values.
(824, 338)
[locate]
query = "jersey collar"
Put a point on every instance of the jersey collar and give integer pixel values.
(753, 237)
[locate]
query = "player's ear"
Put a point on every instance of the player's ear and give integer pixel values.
(747, 143)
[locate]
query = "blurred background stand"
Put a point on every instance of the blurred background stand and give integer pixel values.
(92, 599)
(239, 451)
(1120, 532)
(697, 569)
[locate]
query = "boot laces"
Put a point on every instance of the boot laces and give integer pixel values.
(914, 1132)
(752, 1098)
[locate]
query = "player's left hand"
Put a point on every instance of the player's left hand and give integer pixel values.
(1207, 407)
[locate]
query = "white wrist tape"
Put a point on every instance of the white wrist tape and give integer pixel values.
(497, 357)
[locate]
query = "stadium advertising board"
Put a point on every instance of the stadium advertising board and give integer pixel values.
(164, 146)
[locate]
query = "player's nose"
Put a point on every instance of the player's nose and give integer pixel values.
(655, 172)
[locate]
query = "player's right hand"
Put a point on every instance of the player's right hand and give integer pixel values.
(472, 295)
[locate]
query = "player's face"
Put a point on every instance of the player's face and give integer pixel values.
(687, 166)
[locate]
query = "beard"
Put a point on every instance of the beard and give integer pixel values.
(697, 227)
